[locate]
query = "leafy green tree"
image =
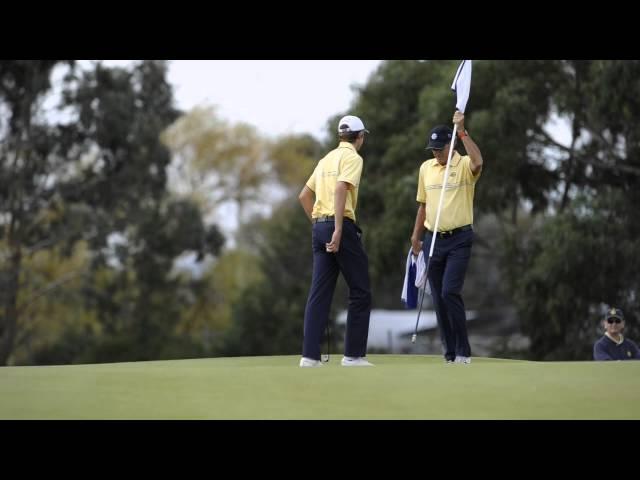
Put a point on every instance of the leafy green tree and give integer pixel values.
(268, 315)
(574, 266)
(293, 159)
(98, 178)
(218, 162)
(28, 155)
(267, 311)
(581, 255)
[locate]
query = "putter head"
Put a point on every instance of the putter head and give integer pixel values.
(413, 338)
(324, 358)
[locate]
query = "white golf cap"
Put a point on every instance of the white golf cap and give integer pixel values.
(351, 123)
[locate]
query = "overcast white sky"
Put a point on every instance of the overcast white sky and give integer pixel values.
(275, 96)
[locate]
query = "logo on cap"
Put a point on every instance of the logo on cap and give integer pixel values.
(434, 136)
(614, 313)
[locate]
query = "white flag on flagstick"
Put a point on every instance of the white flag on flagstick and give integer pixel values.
(462, 84)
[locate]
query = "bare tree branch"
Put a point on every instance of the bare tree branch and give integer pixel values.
(619, 166)
(52, 286)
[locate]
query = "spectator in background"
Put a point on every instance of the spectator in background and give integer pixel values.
(613, 346)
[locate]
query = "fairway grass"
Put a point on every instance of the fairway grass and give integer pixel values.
(399, 387)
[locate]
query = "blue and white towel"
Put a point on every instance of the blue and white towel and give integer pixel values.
(414, 280)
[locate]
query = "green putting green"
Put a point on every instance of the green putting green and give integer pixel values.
(399, 387)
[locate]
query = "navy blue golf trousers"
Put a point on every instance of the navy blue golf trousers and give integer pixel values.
(447, 269)
(351, 260)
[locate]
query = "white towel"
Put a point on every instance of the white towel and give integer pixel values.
(419, 278)
(421, 274)
(411, 260)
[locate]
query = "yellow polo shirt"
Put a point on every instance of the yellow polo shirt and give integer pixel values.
(342, 164)
(457, 205)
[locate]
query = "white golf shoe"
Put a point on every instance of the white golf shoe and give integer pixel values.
(461, 359)
(310, 362)
(356, 362)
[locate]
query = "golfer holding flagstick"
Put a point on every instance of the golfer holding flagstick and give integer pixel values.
(446, 207)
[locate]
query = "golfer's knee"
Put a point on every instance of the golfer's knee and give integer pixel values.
(449, 294)
(367, 299)
(361, 298)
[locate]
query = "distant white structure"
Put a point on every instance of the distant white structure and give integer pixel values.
(391, 330)
(490, 331)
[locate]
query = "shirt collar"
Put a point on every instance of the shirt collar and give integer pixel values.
(455, 158)
(347, 145)
(611, 338)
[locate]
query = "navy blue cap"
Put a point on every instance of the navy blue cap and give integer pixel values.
(614, 313)
(439, 137)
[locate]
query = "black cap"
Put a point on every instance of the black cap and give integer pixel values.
(439, 137)
(614, 313)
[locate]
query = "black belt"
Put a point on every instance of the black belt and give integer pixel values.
(450, 233)
(330, 219)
